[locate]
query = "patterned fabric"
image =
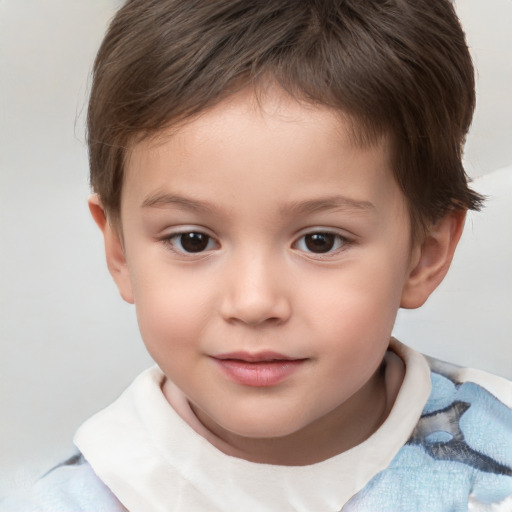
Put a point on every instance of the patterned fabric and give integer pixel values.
(459, 456)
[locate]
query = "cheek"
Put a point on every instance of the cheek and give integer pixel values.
(172, 309)
(358, 305)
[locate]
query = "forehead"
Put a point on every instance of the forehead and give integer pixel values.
(249, 140)
(273, 108)
(267, 101)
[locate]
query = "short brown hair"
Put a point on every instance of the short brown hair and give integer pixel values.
(399, 68)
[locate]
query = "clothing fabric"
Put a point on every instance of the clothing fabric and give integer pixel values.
(445, 446)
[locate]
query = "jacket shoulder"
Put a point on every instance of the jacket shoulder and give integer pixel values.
(70, 487)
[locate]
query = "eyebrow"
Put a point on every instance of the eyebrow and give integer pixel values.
(163, 200)
(337, 202)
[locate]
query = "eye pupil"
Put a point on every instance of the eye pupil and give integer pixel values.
(320, 242)
(194, 242)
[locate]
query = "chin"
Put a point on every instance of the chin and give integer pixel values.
(255, 428)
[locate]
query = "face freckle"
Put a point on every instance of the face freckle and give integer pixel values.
(284, 312)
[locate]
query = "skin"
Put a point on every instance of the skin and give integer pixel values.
(257, 178)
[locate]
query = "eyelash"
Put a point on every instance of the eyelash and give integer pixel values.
(340, 243)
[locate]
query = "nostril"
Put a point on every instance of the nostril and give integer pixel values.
(251, 313)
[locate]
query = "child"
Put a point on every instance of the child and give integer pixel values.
(273, 180)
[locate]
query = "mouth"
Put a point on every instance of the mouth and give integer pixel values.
(262, 369)
(257, 357)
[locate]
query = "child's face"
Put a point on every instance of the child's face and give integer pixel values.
(266, 255)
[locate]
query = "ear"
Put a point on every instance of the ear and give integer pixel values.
(114, 250)
(431, 259)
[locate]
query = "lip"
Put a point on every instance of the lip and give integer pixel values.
(262, 369)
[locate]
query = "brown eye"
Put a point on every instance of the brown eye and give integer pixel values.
(191, 242)
(320, 242)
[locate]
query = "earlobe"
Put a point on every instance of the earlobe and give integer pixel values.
(431, 259)
(114, 250)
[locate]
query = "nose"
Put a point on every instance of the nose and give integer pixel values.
(255, 293)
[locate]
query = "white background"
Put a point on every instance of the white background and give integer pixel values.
(68, 344)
